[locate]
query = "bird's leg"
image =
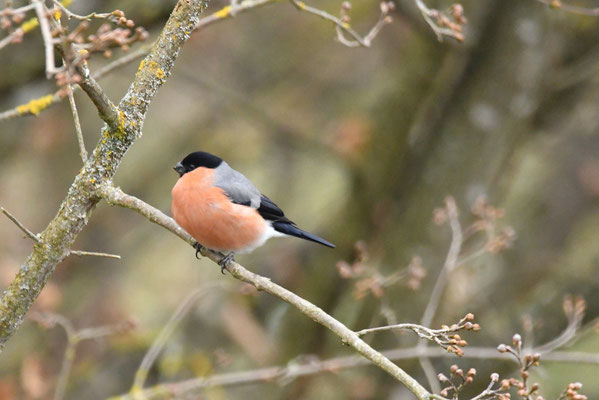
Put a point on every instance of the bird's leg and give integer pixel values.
(198, 248)
(225, 261)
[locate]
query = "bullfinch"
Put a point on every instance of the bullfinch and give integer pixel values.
(223, 211)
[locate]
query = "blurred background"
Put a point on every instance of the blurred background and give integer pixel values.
(356, 145)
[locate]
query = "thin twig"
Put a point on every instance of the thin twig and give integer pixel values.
(36, 238)
(450, 262)
(71, 14)
(42, 16)
(74, 337)
(18, 223)
(8, 39)
(557, 4)
(442, 337)
(575, 317)
(341, 26)
(81, 253)
(315, 366)
(82, 150)
(166, 332)
(430, 15)
(116, 196)
(434, 300)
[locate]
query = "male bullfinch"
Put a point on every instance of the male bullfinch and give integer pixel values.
(221, 209)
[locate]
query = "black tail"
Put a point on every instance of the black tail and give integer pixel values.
(289, 229)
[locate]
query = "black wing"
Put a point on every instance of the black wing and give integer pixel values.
(271, 212)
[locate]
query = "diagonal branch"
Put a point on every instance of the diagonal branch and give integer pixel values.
(116, 196)
(122, 129)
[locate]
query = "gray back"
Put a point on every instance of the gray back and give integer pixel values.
(237, 187)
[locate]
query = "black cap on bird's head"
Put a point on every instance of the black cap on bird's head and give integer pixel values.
(195, 160)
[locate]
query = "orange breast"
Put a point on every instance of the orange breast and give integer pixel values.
(208, 215)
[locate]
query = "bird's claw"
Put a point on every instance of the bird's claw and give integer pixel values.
(198, 248)
(226, 261)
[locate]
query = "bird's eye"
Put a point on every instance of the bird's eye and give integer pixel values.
(191, 166)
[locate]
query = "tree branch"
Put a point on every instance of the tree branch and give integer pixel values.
(116, 196)
(313, 366)
(56, 240)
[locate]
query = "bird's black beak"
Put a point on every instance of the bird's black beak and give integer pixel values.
(179, 168)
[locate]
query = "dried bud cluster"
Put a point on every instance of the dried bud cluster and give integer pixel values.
(487, 217)
(77, 46)
(10, 16)
(453, 20)
(386, 8)
(370, 280)
(524, 390)
(457, 380)
(454, 343)
(574, 307)
(571, 392)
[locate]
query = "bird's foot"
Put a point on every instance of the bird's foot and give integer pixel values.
(226, 261)
(198, 248)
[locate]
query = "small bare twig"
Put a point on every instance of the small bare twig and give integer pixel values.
(88, 17)
(525, 361)
(82, 150)
(74, 337)
(442, 24)
(435, 298)
(49, 42)
(446, 337)
(450, 262)
(342, 24)
(574, 308)
(368, 278)
(558, 4)
(36, 238)
(18, 223)
(486, 222)
(81, 253)
(166, 332)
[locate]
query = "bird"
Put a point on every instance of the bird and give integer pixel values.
(223, 210)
